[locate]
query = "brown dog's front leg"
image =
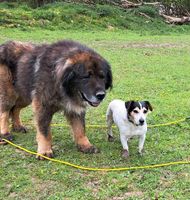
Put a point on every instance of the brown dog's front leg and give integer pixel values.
(4, 122)
(77, 123)
(4, 128)
(17, 124)
(43, 116)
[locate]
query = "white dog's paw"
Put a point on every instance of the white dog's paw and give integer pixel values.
(141, 152)
(110, 138)
(125, 153)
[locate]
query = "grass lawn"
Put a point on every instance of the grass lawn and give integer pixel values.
(145, 67)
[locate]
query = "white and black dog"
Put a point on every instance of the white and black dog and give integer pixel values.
(130, 118)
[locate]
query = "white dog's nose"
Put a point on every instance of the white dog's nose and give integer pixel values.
(141, 121)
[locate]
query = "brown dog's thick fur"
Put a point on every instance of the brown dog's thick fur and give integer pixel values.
(63, 76)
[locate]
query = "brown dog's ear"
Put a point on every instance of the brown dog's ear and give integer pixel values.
(107, 70)
(128, 105)
(61, 68)
(148, 105)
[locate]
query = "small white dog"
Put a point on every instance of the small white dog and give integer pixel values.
(130, 118)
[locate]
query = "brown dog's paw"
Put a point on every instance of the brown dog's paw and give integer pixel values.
(125, 153)
(7, 136)
(19, 129)
(91, 149)
(110, 138)
(48, 154)
(2, 141)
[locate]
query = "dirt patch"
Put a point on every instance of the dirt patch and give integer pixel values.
(128, 195)
(149, 45)
(94, 186)
(138, 45)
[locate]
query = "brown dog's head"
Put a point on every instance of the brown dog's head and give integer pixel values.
(86, 76)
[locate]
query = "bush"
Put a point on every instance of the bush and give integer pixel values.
(59, 16)
(176, 7)
(105, 10)
(42, 14)
(148, 10)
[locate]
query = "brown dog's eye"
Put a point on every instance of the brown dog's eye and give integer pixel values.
(87, 75)
(135, 111)
(102, 76)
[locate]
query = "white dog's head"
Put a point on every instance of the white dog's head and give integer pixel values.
(137, 111)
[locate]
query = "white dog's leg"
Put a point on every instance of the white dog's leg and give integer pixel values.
(123, 139)
(141, 142)
(109, 120)
(124, 143)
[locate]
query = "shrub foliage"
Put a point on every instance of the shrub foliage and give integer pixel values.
(177, 6)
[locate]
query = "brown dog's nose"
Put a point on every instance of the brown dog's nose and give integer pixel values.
(100, 95)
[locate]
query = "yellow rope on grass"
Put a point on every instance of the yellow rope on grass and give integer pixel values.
(104, 126)
(99, 169)
(107, 169)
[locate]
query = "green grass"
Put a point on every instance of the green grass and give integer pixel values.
(150, 60)
(70, 16)
(154, 68)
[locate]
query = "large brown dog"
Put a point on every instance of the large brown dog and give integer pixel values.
(63, 76)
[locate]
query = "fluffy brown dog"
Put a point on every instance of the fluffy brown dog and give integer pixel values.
(63, 76)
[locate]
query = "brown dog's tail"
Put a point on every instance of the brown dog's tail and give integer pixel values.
(11, 51)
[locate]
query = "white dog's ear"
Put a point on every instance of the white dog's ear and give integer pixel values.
(148, 105)
(128, 105)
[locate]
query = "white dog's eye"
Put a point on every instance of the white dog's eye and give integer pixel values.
(145, 111)
(135, 111)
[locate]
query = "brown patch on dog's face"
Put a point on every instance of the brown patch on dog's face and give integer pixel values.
(80, 57)
(89, 76)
